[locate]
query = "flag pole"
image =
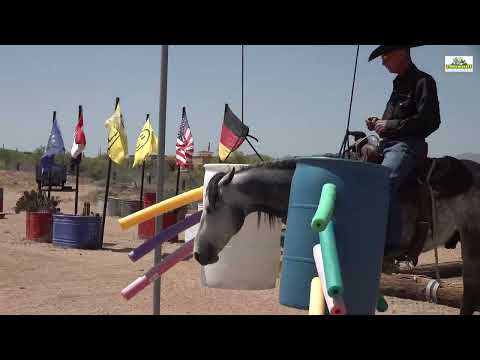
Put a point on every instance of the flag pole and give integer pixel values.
(77, 170)
(143, 175)
(107, 185)
(243, 75)
(141, 185)
(50, 170)
(178, 179)
(160, 168)
(249, 143)
(243, 89)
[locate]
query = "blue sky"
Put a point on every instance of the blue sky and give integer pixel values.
(296, 97)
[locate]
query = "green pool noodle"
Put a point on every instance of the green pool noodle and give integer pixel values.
(331, 264)
(382, 304)
(325, 209)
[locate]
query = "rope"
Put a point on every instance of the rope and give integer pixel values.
(345, 142)
(434, 218)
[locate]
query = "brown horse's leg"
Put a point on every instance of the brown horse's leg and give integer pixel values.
(453, 241)
(471, 272)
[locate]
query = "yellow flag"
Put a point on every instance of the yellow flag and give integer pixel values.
(146, 143)
(117, 138)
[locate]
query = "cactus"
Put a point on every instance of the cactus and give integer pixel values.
(36, 201)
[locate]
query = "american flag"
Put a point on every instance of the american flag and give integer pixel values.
(184, 146)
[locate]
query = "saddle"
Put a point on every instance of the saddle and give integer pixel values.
(448, 177)
(367, 148)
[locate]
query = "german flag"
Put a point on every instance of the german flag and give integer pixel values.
(233, 134)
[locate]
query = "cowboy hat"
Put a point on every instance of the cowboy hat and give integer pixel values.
(383, 49)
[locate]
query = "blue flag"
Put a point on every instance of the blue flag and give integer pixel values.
(54, 146)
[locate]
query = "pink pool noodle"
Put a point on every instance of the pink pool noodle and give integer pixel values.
(155, 272)
(336, 305)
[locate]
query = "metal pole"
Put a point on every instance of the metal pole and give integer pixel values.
(76, 186)
(107, 186)
(160, 165)
(178, 179)
(141, 185)
(50, 171)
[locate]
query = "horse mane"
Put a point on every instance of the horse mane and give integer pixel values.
(272, 218)
(285, 164)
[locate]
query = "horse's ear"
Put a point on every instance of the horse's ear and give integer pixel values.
(227, 179)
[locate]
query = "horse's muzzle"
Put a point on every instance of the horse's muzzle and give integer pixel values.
(206, 258)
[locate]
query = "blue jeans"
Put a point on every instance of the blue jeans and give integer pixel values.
(401, 158)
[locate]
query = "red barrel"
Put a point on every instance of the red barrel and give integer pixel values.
(146, 230)
(39, 226)
(169, 219)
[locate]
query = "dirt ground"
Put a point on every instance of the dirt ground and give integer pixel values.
(38, 278)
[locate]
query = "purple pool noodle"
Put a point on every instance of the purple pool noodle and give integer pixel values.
(154, 273)
(164, 235)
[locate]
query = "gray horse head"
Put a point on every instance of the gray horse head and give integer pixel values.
(221, 218)
(230, 197)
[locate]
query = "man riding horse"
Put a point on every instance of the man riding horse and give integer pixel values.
(411, 115)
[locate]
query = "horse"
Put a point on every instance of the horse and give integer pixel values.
(265, 188)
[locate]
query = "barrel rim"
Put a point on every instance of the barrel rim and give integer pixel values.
(39, 212)
(74, 216)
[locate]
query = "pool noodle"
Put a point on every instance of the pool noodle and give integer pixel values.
(331, 263)
(155, 272)
(317, 303)
(163, 206)
(165, 235)
(325, 209)
(335, 305)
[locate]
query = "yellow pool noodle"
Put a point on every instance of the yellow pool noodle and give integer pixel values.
(317, 304)
(161, 207)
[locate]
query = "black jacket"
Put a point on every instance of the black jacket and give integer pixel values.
(413, 108)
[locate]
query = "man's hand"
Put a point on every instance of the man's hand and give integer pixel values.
(380, 126)
(370, 122)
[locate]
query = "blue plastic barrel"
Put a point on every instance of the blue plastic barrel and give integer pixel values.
(360, 217)
(78, 232)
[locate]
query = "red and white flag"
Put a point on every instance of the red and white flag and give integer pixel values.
(79, 141)
(184, 146)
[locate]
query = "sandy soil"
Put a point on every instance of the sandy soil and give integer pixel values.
(38, 278)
